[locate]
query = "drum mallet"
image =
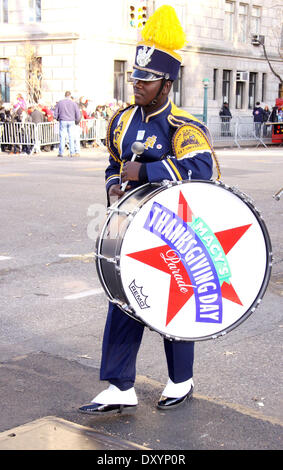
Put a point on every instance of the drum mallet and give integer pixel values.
(137, 148)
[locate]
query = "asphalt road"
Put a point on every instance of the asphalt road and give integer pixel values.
(53, 313)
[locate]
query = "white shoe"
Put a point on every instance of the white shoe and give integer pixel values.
(174, 395)
(113, 396)
(179, 390)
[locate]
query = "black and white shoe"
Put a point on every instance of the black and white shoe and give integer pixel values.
(99, 408)
(111, 400)
(175, 394)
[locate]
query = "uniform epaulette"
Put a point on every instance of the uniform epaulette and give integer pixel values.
(179, 117)
(192, 133)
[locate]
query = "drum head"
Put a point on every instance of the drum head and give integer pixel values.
(195, 261)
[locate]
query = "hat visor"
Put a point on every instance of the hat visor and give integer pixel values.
(145, 76)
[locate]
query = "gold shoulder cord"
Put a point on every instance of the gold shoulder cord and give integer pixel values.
(217, 165)
(215, 159)
(107, 140)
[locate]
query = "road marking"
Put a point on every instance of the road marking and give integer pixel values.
(93, 169)
(7, 175)
(2, 258)
(76, 256)
(68, 256)
(86, 293)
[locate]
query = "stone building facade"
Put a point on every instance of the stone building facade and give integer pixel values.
(88, 47)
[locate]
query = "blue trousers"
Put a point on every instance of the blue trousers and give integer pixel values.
(67, 128)
(121, 342)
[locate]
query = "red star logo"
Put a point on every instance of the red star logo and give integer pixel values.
(155, 257)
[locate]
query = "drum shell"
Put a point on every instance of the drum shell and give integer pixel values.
(123, 213)
(109, 248)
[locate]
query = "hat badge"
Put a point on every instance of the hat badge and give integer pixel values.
(144, 56)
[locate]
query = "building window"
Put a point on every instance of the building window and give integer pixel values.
(3, 11)
(119, 80)
(255, 20)
(4, 81)
(240, 86)
(243, 22)
(177, 88)
(226, 82)
(263, 85)
(229, 20)
(215, 79)
(34, 11)
(252, 89)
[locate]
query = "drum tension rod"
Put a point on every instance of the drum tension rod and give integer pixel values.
(118, 211)
(109, 260)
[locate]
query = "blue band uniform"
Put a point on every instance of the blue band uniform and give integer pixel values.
(187, 151)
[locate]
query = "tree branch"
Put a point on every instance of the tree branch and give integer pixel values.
(269, 63)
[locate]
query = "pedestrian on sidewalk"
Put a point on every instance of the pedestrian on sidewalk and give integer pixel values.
(266, 116)
(67, 113)
(226, 117)
(258, 114)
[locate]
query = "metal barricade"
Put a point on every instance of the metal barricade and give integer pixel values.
(249, 132)
(93, 130)
(267, 130)
(30, 137)
(87, 129)
(223, 131)
(48, 133)
(239, 131)
(22, 136)
(100, 130)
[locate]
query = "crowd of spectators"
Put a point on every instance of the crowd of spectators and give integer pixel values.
(20, 111)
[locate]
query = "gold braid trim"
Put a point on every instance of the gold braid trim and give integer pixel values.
(146, 69)
(107, 140)
(215, 158)
(177, 123)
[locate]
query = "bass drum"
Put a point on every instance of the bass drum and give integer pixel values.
(190, 260)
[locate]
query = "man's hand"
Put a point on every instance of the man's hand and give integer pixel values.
(130, 171)
(115, 192)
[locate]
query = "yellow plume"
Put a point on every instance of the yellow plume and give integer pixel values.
(164, 29)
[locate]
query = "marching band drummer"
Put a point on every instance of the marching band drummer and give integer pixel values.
(176, 147)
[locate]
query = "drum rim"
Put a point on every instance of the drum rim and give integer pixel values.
(116, 205)
(266, 277)
(268, 266)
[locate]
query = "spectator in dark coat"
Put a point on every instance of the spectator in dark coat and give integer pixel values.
(258, 114)
(226, 117)
(36, 115)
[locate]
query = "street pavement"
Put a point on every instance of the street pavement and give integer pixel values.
(53, 312)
